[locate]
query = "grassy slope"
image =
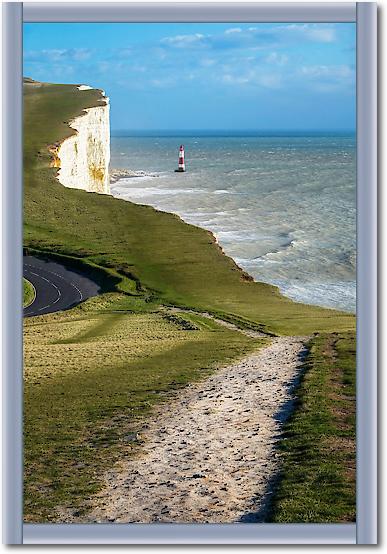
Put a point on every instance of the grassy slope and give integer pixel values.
(174, 262)
(89, 377)
(92, 372)
(28, 293)
(319, 454)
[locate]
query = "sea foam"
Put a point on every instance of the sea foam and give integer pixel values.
(283, 207)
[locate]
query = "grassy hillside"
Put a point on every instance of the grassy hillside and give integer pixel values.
(318, 483)
(156, 254)
(90, 378)
(93, 373)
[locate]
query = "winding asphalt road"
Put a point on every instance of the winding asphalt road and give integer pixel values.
(57, 287)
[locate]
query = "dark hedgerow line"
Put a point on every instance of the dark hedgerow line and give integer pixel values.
(317, 480)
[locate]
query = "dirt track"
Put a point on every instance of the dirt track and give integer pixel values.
(209, 457)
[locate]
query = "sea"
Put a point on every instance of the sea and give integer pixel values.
(282, 205)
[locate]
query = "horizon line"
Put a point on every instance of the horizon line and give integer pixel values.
(220, 130)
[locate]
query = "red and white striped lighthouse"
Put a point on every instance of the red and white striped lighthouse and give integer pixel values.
(181, 166)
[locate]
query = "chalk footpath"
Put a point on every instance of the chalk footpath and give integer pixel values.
(209, 457)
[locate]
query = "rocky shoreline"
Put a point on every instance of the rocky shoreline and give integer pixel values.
(117, 174)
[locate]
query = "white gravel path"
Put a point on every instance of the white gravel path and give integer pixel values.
(209, 457)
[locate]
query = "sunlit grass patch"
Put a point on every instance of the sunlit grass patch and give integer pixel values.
(318, 480)
(28, 293)
(90, 381)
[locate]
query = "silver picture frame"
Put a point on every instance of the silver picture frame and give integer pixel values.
(365, 529)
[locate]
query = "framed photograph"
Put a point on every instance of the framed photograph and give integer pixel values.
(190, 273)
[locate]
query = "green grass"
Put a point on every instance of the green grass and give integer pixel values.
(93, 373)
(317, 482)
(155, 254)
(28, 293)
(90, 379)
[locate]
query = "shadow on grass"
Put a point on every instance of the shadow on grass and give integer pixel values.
(264, 503)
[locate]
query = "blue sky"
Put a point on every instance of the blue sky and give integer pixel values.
(205, 76)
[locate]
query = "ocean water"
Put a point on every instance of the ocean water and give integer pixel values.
(284, 207)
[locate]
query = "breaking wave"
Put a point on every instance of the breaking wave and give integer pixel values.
(283, 208)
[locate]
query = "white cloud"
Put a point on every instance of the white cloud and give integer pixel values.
(321, 34)
(332, 71)
(207, 62)
(254, 78)
(272, 81)
(235, 80)
(182, 41)
(104, 67)
(256, 37)
(275, 58)
(57, 55)
(233, 30)
(162, 82)
(80, 54)
(124, 52)
(139, 68)
(325, 78)
(315, 32)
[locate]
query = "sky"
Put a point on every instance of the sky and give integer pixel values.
(205, 76)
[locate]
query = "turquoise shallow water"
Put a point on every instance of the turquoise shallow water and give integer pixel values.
(283, 207)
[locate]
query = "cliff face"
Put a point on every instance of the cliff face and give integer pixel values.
(83, 159)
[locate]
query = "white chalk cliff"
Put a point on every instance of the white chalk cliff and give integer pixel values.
(83, 158)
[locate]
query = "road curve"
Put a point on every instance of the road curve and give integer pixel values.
(57, 287)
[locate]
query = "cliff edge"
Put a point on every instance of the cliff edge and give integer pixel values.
(83, 158)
